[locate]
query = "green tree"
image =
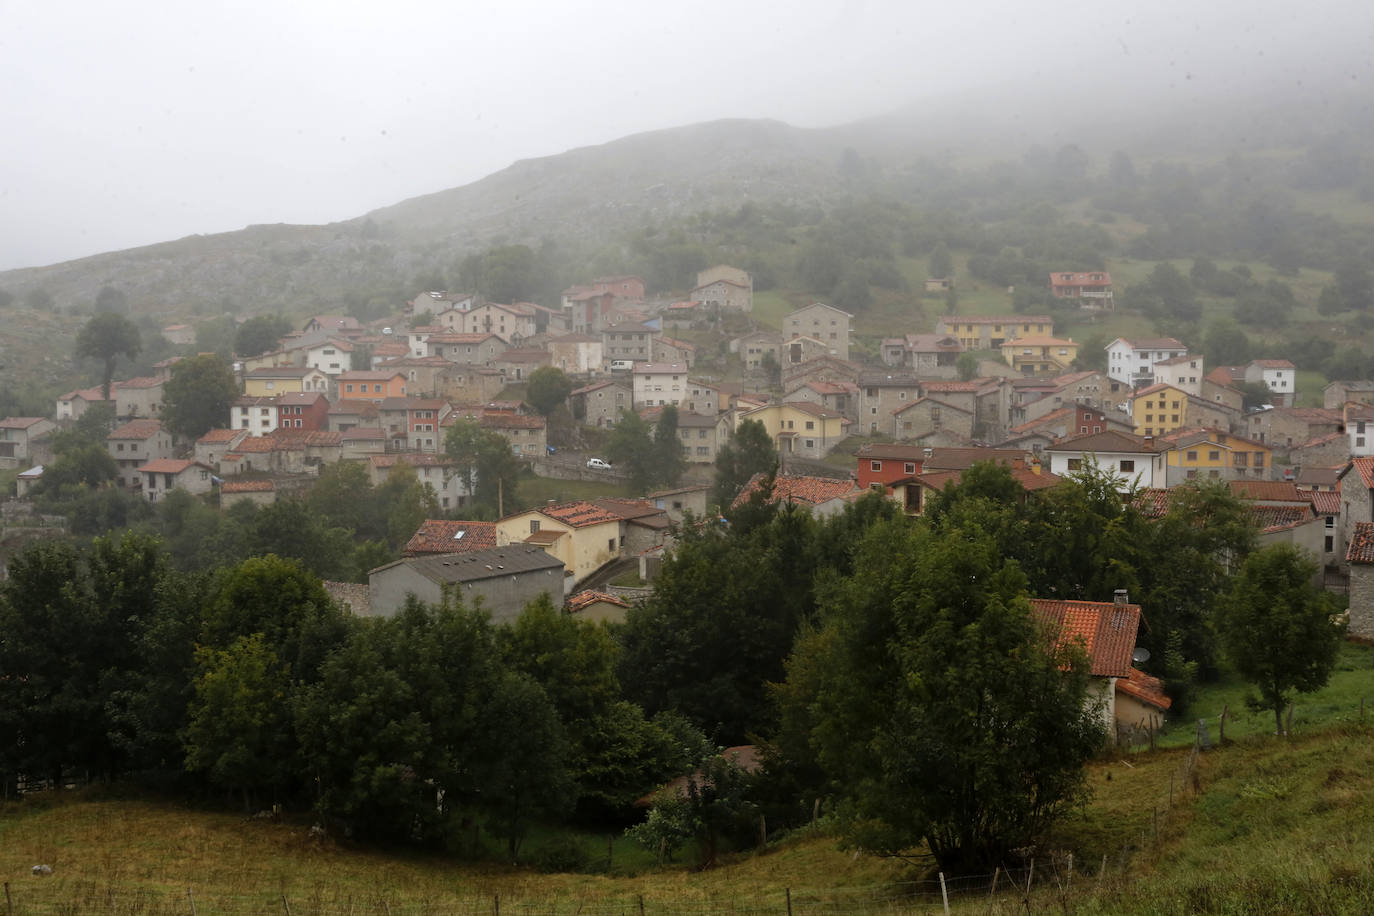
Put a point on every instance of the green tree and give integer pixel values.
(260, 334)
(971, 759)
(485, 464)
(631, 445)
(750, 451)
(1226, 344)
(1355, 284)
(772, 369)
(239, 721)
(548, 387)
(669, 463)
(39, 299)
(106, 337)
(81, 466)
(1329, 301)
(198, 396)
(967, 365)
(1279, 628)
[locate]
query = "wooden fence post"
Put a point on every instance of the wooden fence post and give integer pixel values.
(641, 905)
(1221, 724)
(1103, 870)
(192, 901)
(496, 904)
(1069, 882)
(789, 900)
(944, 893)
(9, 904)
(286, 906)
(1029, 875)
(995, 872)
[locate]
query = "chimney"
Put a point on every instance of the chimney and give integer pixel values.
(1120, 597)
(1018, 464)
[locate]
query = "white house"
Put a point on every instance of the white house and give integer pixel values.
(1133, 460)
(1278, 375)
(1185, 373)
(330, 357)
(658, 384)
(1132, 362)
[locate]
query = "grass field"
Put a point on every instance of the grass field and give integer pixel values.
(1261, 825)
(533, 491)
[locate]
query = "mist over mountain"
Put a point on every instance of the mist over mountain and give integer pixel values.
(592, 196)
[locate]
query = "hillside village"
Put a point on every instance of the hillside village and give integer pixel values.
(1000, 388)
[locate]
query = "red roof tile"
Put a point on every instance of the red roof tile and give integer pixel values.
(1361, 548)
(1273, 490)
(579, 514)
(1278, 518)
(450, 536)
(1144, 688)
(582, 600)
(1365, 468)
(247, 486)
(218, 435)
(169, 466)
(1106, 630)
(137, 429)
(1326, 502)
(806, 490)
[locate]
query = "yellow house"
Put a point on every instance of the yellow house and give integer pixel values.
(1039, 354)
(801, 428)
(585, 537)
(1159, 409)
(268, 382)
(1209, 454)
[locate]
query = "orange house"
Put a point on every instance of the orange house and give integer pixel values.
(371, 386)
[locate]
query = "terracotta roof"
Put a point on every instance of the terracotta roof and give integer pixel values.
(582, 600)
(891, 450)
(1365, 468)
(145, 381)
(1041, 340)
(88, 394)
(1281, 490)
(526, 355)
(438, 535)
(511, 421)
(1272, 364)
(1361, 548)
(1157, 386)
(579, 514)
(1326, 502)
(1106, 630)
(1070, 278)
(1320, 440)
(246, 486)
(280, 372)
(214, 436)
(1177, 360)
(958, 459)
(256, 445)
(545, 536)
(137, 429)
(953, 387)
(928, 402)
(1153, 501)
(475, 565)
(1110, 441)
(1278, 518)
(304, 398)
(362, 432)
(20, 422)
(169, 466)
(806, 490)
(817, 411)
(1144, 688)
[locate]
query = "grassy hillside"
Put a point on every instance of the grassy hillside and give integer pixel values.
(1263, 825)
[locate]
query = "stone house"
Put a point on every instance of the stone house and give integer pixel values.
(1359, 558)
(467, 384)
(722, 295)
(678, 502)
(258, 492)
(824, 323)
(17, 435)
(751, 347)
(517, 364)
(671, 350)
(468, 349)
(840, 397)
(925, 415)
(138, 397)
(1336, 394)
(423, 375)
(135, 444)
(434, 471)
(659, 384)
(600, 403)
(527, 435)
(628, 340)
(702, 435)
(577, 354)
(163, 475)
(881, 395)
(1284, 427)
(927, 355)
(215, 443)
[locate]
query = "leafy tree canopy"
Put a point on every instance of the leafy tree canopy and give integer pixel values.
(198, 396)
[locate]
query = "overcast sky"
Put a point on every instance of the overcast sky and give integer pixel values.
(137, 121)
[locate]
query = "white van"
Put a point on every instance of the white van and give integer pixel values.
(622, 365)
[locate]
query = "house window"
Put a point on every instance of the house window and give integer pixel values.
(810, 424)
(1127, 465)
(534, 525)
(1214, 455)
(909, 467)
(1192, 456)
(610, 545)
(1075, 464)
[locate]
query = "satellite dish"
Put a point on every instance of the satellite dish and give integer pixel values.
(1141, 654)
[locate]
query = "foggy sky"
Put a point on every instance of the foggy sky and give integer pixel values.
(140, 121)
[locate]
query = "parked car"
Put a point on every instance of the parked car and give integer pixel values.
(598, 464)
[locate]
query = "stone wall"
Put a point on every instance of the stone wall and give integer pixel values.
(1362, 601)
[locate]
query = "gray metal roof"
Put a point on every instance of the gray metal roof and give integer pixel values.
(476, 565)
